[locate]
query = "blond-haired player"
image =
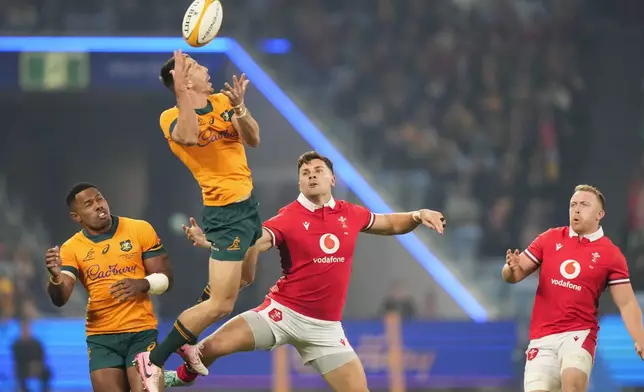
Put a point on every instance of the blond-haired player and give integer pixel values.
(576, 264)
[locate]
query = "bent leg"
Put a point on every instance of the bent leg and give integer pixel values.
(246, 332)
(224, 278)
(237, 335)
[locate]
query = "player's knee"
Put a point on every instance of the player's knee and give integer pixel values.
(214, 347)
(220, 307)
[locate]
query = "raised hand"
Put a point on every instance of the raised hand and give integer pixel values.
(512, 260)
(53, 262)
(180, 73)
(237, 91)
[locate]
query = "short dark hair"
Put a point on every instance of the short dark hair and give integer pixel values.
(309, 156)
(76, 189)
(594, 190)
(165, 76)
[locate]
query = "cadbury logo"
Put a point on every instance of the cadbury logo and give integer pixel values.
(209, 136)
(95, 272)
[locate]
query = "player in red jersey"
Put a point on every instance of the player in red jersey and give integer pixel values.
(316, 237)
(577, 264)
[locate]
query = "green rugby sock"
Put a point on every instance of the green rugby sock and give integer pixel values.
(178, 336)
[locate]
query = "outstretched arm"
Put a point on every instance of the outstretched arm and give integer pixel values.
(405, 222)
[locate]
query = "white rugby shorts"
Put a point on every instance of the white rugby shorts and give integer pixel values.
(548, 356)
(312, 338)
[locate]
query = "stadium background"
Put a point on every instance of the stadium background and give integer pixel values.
(488, 110)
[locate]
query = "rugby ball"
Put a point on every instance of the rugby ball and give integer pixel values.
(202, 22)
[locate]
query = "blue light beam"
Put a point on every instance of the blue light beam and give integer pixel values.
(287, 108)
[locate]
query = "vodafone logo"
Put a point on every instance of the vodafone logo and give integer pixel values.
(329, 243)
(570, 269)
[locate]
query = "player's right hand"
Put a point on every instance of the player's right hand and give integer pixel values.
(512, 259)
(195, 234)
(180, 72)
(53, 261)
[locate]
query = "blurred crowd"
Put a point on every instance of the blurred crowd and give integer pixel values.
(22, 293)
(634, 241)
(476, 103)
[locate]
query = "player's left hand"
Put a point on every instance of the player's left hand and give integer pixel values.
(128, 288)
(196, 235)
(237, 91)
(639, 349)
(434, 220)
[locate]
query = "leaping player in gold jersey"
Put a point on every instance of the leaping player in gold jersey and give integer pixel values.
(207, 132)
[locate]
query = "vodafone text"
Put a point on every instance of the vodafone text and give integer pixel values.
(328, 260)
(566, 284)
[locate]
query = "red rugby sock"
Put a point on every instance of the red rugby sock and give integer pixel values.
(185, 374)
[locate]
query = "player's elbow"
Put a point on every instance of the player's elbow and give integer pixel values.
(508, 275)
(253, 141)
(189, 138)
(58, 302)
(221, 308)
(58, 297)
(170, 276)
(509, 280)
(185, 140)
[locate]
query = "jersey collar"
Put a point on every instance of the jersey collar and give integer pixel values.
(104, 236)
(591, 237)
(309, 205)
(205, 110)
